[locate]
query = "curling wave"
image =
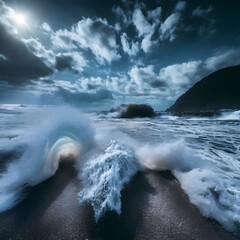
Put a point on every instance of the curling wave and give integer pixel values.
(206, 163)
(63, 134)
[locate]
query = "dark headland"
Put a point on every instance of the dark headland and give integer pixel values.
(219, 90)
(153, 207)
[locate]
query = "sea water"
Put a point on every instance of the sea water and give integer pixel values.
(202, 153)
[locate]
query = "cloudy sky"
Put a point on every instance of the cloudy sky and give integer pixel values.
(86, 51)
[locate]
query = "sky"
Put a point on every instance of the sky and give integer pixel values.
(95, 52)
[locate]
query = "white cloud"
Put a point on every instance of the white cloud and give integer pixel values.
(70, 60)
(7, 16)
(168, 83)
(180, 77)
(99, 37)
(146, 27)
(154, 14)
(147, 44)
(130, 48)
(117, 27)
(91, 84)
(223, 59)
(150, 29)
(79, 62)
(125, 20)
(46, 28)
(64, 84)
(118, 84)
(63, 39)
(140, 22)
(168, 29)
(141, 75)
(35, 46)
(146, 79)
(96, 35)
(181, 74)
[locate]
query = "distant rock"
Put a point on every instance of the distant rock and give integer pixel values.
(219, 90)
(22, 105)
(134, 110)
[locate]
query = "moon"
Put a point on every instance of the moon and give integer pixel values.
(20, 19)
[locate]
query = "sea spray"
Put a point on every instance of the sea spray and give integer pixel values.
(50, 135)
(206, 163)
(200, 180)
(104, 177)
(230, 116)
(212, 196)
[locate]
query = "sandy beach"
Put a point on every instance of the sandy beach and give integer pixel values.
(153, 207)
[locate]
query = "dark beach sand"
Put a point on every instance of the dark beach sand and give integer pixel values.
(154, 207)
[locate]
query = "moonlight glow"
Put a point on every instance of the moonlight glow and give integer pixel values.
(20, 19)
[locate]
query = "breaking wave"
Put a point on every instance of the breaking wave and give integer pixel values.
(110, 158)
(50, 137)
(206, 186)
(105, 175)
(230, 116)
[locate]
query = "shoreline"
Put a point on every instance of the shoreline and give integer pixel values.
(153, 207)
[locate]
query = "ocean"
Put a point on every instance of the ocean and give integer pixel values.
(203, 155)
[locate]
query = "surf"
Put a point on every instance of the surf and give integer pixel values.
(50, 136)
(108, 156)
(105, 175)
(206, 185)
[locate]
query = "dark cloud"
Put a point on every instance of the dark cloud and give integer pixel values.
(128, 47)
(64, 62)
(200, 12)
(48, 81)
(76, 97)
(181, 5)
(158, 84)
(18, 64)
(72, 61)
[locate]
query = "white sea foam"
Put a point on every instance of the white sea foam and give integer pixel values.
(204, 184)
(213, 196)
(233, 115)
(167, 156)
(206, 163)
(105, 175)
(49, 137)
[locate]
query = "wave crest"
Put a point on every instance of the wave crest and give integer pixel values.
(201, 180)
(105, 175)
(63, 134)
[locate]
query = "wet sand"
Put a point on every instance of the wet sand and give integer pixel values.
(153, 207)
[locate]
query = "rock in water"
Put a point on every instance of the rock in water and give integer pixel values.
(134, 110)
(219, 90)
